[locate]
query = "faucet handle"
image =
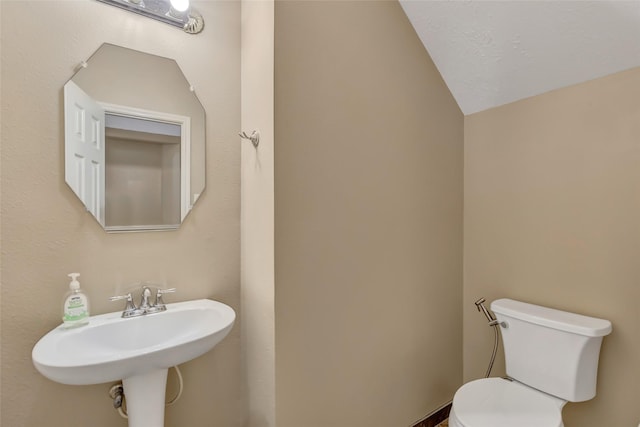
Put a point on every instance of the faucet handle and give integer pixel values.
(128, 297)
(130, 307)
(159, 293)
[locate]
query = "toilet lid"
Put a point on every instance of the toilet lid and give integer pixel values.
(495, 402)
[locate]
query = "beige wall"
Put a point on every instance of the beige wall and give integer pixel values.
(552, 217)
(134, 183)
(257, 216)
(46, 233)
(142, 182)
(368, 203)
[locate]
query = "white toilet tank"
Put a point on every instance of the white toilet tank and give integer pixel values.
(550, 350)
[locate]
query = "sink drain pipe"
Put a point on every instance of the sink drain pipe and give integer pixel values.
(119, 399)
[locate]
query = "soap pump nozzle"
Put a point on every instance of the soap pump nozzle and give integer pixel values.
(74, 285)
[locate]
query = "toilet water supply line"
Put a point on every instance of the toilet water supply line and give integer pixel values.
(493, 323)
(116, 392)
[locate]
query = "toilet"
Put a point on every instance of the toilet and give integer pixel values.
(551, 358)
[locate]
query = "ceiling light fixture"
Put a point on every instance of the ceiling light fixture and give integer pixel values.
(172, 12)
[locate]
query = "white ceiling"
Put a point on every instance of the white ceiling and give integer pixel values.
(495, 52)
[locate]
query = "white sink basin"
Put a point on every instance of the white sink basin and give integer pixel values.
(111, 348)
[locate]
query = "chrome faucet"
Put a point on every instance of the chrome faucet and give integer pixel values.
(144, 300)
(146, 307)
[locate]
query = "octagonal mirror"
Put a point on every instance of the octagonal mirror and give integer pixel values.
(134, 140)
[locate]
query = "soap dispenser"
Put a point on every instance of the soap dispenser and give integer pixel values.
(75, 309)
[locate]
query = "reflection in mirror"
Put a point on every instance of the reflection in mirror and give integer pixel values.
(134, 140)
(142, 168)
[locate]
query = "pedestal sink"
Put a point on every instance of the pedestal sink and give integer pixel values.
(136, 350)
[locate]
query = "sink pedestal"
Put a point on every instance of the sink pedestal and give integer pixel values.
(145, 396)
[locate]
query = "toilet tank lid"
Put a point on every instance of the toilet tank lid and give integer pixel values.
(552, 318)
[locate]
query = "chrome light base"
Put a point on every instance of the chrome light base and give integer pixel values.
(190, 21)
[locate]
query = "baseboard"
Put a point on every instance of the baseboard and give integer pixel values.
(435, 417)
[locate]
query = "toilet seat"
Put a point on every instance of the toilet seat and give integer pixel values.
(495, 402)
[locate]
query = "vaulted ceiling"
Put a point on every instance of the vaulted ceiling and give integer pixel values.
(495, 52)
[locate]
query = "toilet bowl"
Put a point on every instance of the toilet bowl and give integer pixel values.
(497, 402)
(551, 358)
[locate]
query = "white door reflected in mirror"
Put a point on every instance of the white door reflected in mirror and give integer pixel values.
(85, 149)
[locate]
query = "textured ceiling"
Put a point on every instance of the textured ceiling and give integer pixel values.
(495, 52)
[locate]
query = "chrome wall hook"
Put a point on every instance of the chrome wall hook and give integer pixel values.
(254, 137)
